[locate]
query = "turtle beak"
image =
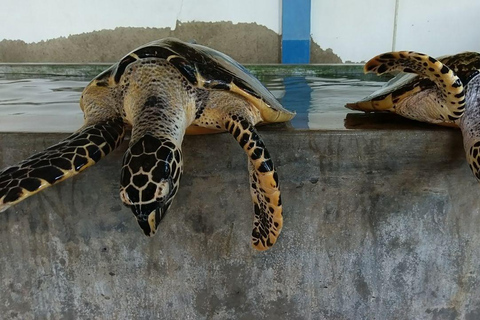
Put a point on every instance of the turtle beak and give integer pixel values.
(149, 205)
(151, 214)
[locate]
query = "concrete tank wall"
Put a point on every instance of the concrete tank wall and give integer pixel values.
(379, 224)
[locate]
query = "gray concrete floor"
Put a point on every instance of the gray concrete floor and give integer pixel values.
(379, 224)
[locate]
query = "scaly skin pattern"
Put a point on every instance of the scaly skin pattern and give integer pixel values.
(153, 164)
(237, 116)
(470, 126)
(160, 112)
(264, 188)
(101, 133)
(160, 100)
(440, 104)
(59, 162)
(150, 179)
(438, 88)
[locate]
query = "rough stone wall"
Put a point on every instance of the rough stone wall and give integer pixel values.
(379, 224)
(245, 42)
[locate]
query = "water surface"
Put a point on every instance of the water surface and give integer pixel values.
(51, 104)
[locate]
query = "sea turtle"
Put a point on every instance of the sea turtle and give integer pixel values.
(163, 89)
(444, 92)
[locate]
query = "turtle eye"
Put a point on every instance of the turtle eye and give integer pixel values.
(125, 199)
(163, 190)
(81, 105)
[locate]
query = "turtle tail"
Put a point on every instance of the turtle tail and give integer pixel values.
(60, 161)
(450, 95)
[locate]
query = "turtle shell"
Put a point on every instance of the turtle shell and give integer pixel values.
(466, 65)
(205, 68)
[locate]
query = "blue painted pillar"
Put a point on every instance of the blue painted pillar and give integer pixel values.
(296, 31)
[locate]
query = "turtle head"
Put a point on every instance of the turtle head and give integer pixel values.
(150, 213)
(149, 180)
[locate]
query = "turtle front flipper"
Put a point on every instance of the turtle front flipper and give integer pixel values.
(470, 125)
(264, 188)
(236, 115)
(447, 103)
(59, 162)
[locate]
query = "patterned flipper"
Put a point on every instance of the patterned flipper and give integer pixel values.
(264, 188)
(448, 102)
(59, 162)
(470, 126)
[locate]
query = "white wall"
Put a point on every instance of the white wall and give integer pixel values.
(439, 27)
(36, 20)
(355, 30)
(358, 30)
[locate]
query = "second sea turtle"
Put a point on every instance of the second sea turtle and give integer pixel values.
(443, 91)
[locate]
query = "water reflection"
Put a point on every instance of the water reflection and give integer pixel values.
(51, 105)
(319, 101)
(297, 97)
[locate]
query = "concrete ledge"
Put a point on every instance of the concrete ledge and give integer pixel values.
(379, 224)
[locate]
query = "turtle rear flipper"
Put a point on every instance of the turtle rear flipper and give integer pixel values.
(445, 103)
(60, 161)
